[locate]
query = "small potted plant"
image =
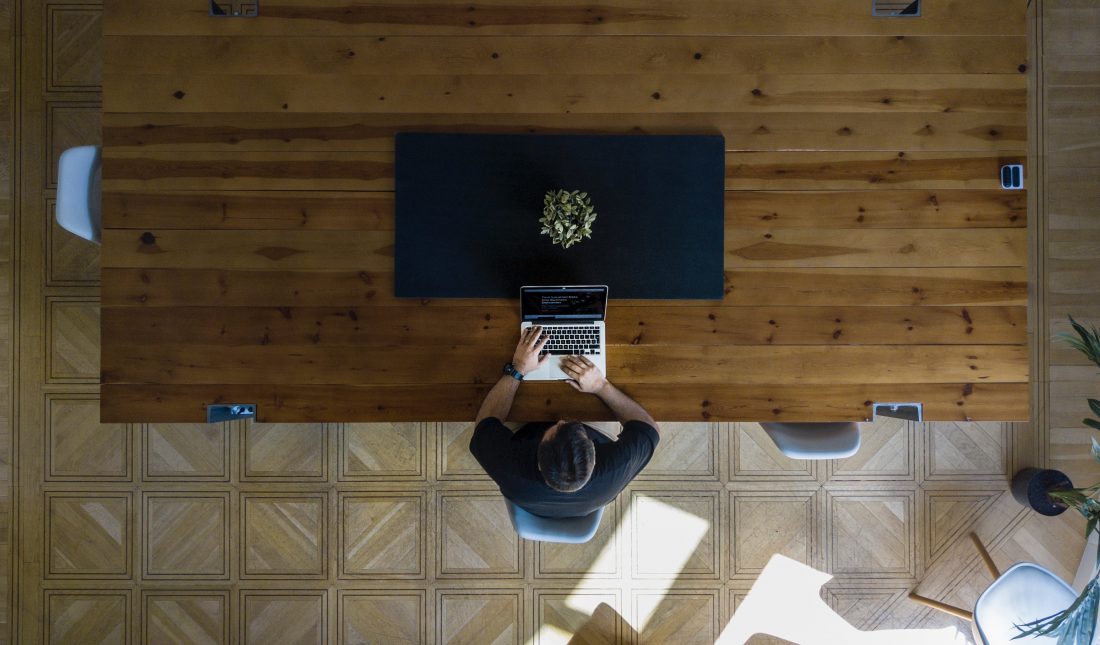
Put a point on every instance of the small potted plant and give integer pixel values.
(1035, 487)
(567, 216)
(1077, 623)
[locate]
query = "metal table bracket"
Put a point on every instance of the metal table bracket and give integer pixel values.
(230, 412)
(234, 9)
(907, 411)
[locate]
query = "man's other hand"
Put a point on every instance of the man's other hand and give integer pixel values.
(586, 377)
(526, 359)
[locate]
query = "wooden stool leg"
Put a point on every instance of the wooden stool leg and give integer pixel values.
(942, 606)
(989, 564)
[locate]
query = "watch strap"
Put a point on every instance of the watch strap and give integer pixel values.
(510, 370)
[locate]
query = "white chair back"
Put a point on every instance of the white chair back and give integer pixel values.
(78, 192)
(815, 440)
(1024, 593)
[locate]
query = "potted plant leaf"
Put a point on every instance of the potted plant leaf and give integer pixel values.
(567, 216)
(1076, 625)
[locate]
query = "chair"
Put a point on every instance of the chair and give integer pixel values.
(1024, 593)
(569, 530)
(78, 192)
(815, 440)
(786, 601)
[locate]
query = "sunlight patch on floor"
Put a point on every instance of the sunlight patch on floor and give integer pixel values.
(670, 532)
(787, 588)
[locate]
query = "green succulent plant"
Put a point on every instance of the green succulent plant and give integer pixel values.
(1076, 625)
(567, 216)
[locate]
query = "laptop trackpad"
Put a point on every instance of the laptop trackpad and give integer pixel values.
(551, 371)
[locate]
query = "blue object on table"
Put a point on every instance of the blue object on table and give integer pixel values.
(570, 530)
(467, 209)
(1012, 176)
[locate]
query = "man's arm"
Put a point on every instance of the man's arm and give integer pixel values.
(525, 359)
(499, 400)
(587, 378)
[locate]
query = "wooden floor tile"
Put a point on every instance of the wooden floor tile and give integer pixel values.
(370, 451)
(283, 535)
(589, 617)
(863, 607)
(951, 515)
(381, 535)
(765, 524)
(187, 451)
(679, 616)
(75, 60)
(480, 616)
(81, 448)
(291, 451)
(294, 618)
(199, 617)
(453, 449)
(675, 535)
(887, 452)
(1045, 541)
(476, 537)
(597, 558)
(872, 534)
(735, 597)
(686, 451)
(968, 450)
(74, 340)
(92, 617)
(71, 261)
(88, 534)
(186, 535)
(382, 617)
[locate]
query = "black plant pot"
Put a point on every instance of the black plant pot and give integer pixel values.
(1030, 487)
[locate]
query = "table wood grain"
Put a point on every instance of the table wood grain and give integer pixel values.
(870, 254)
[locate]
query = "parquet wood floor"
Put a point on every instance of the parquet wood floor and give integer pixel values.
(353, 533)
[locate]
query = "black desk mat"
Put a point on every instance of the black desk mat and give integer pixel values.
(467, 208)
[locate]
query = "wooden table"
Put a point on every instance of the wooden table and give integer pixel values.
(870, 255)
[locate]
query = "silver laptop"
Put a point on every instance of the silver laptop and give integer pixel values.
(574, 318)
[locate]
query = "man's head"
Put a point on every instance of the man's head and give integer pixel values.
(566, 456)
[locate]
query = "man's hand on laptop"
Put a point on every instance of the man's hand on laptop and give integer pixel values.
(586, 377)
(527, 359)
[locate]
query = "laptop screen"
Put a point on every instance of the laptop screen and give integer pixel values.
(577, 304)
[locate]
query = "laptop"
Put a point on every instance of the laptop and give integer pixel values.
(574, 318)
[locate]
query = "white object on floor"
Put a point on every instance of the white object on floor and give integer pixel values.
(1024, 593)
(78, 192)
(815, 440)
(785, 601)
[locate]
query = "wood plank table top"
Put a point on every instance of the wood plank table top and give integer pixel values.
(870, 254)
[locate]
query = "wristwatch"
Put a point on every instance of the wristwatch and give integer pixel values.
(511, 370)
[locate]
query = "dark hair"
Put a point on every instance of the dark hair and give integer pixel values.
(567, 459)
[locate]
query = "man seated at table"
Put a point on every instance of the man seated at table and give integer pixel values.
(562, 469)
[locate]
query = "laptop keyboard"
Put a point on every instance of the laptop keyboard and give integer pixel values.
(569, 340)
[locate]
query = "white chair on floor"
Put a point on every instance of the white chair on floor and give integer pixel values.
(1024, 593)
(815, 440)
(786, 601)
(570, 530)
(78, 192)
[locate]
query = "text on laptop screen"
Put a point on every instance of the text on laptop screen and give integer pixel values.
(578, 304)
